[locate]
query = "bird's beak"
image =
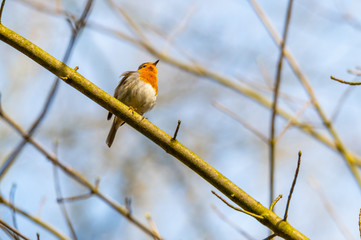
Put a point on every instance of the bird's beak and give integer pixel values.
(155, 63)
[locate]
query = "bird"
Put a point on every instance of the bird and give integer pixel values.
(138, 90)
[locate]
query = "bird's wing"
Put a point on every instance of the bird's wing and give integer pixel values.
(126, 76)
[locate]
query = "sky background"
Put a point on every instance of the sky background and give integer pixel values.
(226, 37)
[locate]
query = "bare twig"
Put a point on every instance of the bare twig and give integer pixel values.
(79, 197)
(345, 82)
(1, 9)
(181, 26)
(293, 185)
(128, 205)
(290, 122)
(13, 230)
(357, 73)
(330, 209)
(275, 100)
(274, 202)
(58, 196)
(152, 224)
(44, 8)
(7, 231)
(79, 25)
(176, 130)
(75, 198)
(12, 200)
(132, 24)
(270, 236)
(236, 208)
(240, 120)
(341, 102)
(232, 224)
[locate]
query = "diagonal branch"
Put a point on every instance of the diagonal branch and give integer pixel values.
(13, 230)
(36, 220)
(162, 139)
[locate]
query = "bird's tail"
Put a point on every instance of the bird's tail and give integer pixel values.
(113, 130)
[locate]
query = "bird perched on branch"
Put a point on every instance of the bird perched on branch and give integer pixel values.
(137, 89)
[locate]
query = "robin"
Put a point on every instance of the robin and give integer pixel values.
(137, 89)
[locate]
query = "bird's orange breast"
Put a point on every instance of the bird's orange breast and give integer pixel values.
(149, 77)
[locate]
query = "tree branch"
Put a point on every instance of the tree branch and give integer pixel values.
(272, 142)
(176, 149)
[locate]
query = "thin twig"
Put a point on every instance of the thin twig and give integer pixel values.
(152, 224)
(7, 231)
(79, 197)
(275, 100)
(290, 122)
(59, 195)
(14, 230)
(44, 8)
(176, 131)
(79, 25)
(236, 208)
(1, 9)
(181, 26)
(75, 198)
(293, 185)
(240, 120)
(341, 102)
(12, 200)
(354, 72)
(330, 209)
(132, 24)
(274, 202)
(345, 82)
(270, 236)
(232, 224)
(128, 205)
